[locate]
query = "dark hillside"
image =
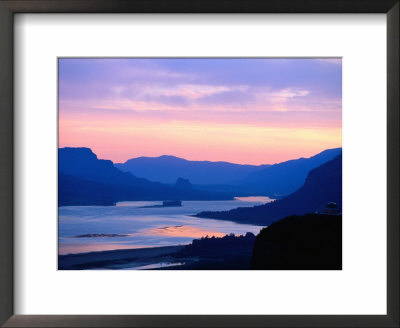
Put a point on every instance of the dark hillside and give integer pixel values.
(86, 180)
(323, 185)
(310, 242)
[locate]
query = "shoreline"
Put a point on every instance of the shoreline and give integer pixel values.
(119, 258)
(114, 203)
(237, 221)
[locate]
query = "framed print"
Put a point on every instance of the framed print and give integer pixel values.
(165, 166)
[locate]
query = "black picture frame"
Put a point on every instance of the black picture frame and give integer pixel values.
(10, 7)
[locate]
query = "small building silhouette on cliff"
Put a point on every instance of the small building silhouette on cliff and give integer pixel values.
(331, 208)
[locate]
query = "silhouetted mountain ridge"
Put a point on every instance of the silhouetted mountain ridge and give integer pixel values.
(286, 177)
(323, 185)
(84, 164)
(86, 180)
(167, 169)
(275, 180)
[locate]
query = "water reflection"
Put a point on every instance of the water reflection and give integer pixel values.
(184, 231)
(145, 227)
(155, 266)
(261, 199)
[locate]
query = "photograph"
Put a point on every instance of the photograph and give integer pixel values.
(199, 163)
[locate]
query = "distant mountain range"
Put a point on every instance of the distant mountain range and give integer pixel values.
(284, 178)
(275, 180)
(323, 184)
(86, 180)
(167, 169)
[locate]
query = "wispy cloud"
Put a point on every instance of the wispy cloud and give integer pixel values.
(99, 96)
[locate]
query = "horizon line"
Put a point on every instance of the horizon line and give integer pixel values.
(189, 160)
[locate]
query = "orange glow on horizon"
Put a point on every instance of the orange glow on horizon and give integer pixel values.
(236, 143)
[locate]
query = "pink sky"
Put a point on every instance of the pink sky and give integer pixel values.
(254, 111)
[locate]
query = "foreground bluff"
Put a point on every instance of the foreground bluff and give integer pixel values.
(309, 242)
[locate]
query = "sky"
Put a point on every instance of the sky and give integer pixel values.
(246, 111)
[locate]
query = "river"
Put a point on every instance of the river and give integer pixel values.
(133, 225)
